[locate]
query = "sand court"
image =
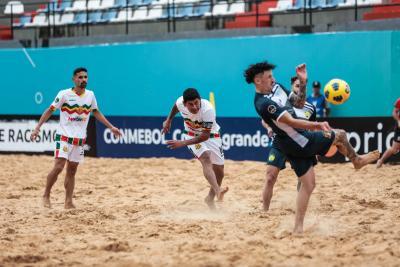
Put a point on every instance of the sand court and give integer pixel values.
(150, 212)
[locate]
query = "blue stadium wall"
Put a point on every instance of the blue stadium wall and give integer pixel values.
(139, 82)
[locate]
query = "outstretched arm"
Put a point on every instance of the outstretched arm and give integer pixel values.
(168, 121)
(45, 116)
(172, 144)
(100, 117)
(303, 124)
(298, 99)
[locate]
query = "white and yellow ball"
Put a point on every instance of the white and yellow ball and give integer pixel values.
(337, 91)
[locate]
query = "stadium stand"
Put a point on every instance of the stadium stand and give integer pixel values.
(33, 19)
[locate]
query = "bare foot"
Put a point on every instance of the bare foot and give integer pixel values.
(69, 205)
(46, 202)
(298, 230)
(379, 164)
(210, 202)
(221, 194)
(363, 160)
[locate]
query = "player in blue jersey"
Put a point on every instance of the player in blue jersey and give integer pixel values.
(276, 158)
(300, 140)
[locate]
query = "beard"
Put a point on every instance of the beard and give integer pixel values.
(83, 85)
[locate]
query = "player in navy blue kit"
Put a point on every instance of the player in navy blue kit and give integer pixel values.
(276, 158)
(300, 140)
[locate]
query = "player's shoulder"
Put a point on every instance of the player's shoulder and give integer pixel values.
(179, 100)
(279, 86)
(65, 91)
(89, 92)
(206, 105)
(309, 105)
(397, 103)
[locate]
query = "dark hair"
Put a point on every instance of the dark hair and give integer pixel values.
(77, 70)
(293, 79)
(257, 68)
(190, 94)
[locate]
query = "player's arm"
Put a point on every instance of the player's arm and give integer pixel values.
(270, 132)
(100, 117)
(168, 120)
(45, 116)
(286, 118)
(204, 136)
(298, 99)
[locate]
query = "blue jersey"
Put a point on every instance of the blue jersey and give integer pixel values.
(319, 103)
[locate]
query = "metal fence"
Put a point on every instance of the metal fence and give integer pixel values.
(47, 18)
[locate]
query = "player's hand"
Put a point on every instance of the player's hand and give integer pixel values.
(166, 126)
(301, 73)
(270, 132)
(324, 126)
(173, 144)
(116, 131)
(34, 134)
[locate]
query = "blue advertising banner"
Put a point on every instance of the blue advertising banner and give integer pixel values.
(242, 138)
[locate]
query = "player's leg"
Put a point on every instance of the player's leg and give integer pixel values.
(208, 171)
(275, 162)
(270, 179)
(219, 174)
(76, 156)
(51, 179)
(394, 149)
(303, 197)
(69, 183)
(348, 151)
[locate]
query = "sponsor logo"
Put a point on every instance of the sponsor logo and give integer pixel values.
(271, 109)
(77, 119)
(271, 158)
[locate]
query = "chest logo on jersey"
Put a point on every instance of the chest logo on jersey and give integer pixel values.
(79, 119)
(271, 109)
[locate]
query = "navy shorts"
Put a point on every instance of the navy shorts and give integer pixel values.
(276, 158)
(300, 166)
(318, 143)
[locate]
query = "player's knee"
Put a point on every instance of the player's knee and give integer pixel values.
(58, 168)
(205, 158)
(309, 186)
(271, 178)
(341, 134)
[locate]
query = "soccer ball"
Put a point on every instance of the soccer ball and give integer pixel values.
(337, 91)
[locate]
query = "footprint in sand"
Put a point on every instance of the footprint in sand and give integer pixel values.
(374, 204)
